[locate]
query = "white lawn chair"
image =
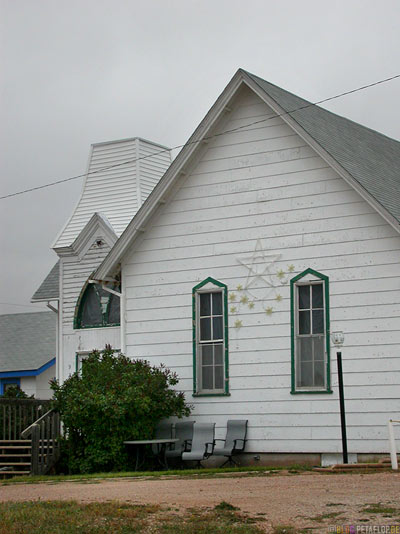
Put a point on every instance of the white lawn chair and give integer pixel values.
(202, 444)
(235, 441)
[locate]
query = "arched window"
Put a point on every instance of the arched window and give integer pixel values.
(97, 307)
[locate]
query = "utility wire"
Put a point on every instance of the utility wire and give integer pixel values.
(203, 139)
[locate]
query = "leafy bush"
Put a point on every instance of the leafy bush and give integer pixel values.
(113, 399)
(15, 392)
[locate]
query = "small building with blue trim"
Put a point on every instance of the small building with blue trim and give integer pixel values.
(27, 352)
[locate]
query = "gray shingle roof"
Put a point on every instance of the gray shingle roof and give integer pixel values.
(370, 157)
(27, 340)
(49, 288)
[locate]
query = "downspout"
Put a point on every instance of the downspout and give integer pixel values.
(55, 310)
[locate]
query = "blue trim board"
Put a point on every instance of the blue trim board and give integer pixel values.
(32, 372)
(4, 381)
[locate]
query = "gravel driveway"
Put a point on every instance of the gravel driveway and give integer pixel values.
(296, 499)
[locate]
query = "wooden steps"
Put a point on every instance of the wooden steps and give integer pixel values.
(383, 463)
(15, 457)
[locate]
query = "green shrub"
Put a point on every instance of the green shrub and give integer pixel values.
(15, 392)
(113, 399)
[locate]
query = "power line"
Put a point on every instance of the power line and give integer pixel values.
(361, 88)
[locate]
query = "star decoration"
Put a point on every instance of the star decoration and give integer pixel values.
(258, 265)
(251, 305)
(280, 274)
(244, 299)
(291, 268)
(238, 324)
(239, 287)
(278, 297)
(232, 297)
(269, 311)
(233, 309)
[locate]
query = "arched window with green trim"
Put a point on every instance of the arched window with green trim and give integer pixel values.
(310, 343)
(210, 338)
(97, 307)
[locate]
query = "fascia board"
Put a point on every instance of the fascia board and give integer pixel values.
(84, 240)
(27, 372)
(164, 185)
(127, 139)
(285, 116)
(45, 300)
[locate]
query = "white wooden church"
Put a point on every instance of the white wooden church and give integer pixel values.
(275, 226)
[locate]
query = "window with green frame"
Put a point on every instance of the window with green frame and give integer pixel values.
(310, 343)
(97, 308)
(210, 338)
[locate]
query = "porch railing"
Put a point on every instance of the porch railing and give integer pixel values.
(18, 414)
(44, 433)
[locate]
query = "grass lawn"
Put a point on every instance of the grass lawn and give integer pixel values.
(211, 472)
(69, 517)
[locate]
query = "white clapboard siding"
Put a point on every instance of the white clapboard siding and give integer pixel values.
(120, 176)
(86, 341)
(264, 183)
(75, 273)
(114, 184)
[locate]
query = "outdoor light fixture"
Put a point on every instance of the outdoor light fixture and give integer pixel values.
(337, 339)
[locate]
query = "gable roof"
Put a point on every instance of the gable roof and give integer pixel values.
(50, 287)
(367, 160)
(370, 157)
(28, 341)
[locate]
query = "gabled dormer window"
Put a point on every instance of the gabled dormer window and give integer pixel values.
(310, 344)
(97, 308)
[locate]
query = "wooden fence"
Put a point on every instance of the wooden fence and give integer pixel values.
(18, 414)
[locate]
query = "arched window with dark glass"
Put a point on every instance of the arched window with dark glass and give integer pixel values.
(97, 307)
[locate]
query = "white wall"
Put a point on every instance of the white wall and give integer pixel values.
(75, 272)
(39, 385)
(265, 183)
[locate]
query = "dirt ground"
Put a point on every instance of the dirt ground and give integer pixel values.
(308, 500)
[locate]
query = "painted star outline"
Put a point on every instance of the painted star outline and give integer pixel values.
(259, 265)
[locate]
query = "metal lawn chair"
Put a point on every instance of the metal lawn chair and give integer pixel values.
(162, 431)
(202, 443)
(235, 441)
(184, 433)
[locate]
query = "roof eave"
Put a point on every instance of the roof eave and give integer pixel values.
(28, 372)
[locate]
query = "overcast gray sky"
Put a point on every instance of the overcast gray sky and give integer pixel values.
(78, 72)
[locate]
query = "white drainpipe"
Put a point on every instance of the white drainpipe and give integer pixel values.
(55, 310)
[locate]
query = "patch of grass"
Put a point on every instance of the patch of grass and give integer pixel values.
(56, 517)
(223, 505)
(284, 529)
(379, 508)
(204, 473)
(321, 517)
